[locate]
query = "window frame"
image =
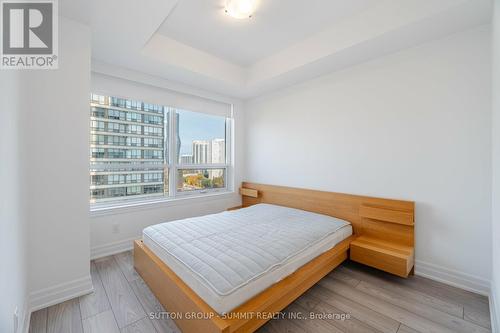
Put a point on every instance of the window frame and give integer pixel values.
(170, 160)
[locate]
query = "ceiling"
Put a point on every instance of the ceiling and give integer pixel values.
(192, 42)
(274, 26)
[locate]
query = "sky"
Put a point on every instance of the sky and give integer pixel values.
(198, 126)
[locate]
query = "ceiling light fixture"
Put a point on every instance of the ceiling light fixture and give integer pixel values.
(240, 9)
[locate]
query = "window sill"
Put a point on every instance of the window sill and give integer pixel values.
(127, 207)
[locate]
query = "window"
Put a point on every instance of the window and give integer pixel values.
(134, 141)
(133, 157)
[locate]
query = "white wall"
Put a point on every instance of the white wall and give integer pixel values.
(495, 297)
(54, 149)
(13, 276)
(414, 125)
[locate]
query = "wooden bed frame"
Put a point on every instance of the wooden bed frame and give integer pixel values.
(181, 301)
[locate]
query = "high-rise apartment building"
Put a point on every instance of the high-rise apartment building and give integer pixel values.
(126, 149)
(218, 151)
(201, 152)
(186, 159)
(209, 152)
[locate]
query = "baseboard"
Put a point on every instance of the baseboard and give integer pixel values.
(453, 278)
(112, 248)
(495, 319)
(60, 293)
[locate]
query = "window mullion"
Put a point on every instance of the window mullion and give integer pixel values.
(172, 159)
(229, 152)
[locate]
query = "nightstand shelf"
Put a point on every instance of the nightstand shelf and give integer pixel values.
(394, 258)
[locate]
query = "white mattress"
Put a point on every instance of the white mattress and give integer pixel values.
(228, 258)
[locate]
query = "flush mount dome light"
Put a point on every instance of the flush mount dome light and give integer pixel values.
(240, 9)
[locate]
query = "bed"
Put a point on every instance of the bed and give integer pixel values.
(230, 257)
(232, 271)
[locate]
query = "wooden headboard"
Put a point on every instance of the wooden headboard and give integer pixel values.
(384, 218)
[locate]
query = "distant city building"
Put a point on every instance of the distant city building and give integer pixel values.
(218, 147)
(208, 152)
(201, 152)
(186, 159)
(126, 148)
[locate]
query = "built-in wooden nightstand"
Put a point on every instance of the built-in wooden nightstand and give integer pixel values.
(390, 257)
(387, 239)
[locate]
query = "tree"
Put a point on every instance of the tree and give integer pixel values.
(205, 182)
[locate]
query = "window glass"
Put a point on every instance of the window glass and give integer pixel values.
(201, 138)
(117, 157)
(200, 179)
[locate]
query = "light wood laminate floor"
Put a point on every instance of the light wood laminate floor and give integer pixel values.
(367, 299)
